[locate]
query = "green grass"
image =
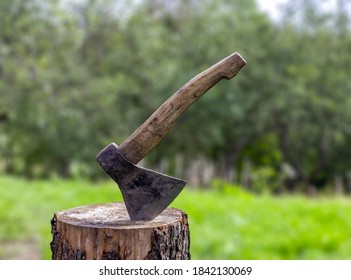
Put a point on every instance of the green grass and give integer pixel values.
(226, 224)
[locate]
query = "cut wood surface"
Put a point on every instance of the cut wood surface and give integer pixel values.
(104, 231)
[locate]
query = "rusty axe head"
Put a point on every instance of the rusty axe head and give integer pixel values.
(147, 193)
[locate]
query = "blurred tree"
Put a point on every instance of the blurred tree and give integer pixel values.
(76, 76)
(315, 67)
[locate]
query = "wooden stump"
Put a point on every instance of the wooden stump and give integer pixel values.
(104, 231)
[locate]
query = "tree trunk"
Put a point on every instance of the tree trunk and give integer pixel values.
(348, 176)
(338, 185)
(246, 174)
(104, 231)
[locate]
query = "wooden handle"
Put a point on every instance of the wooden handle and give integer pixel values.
(151, 132)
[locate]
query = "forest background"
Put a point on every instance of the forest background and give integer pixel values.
(77, 75)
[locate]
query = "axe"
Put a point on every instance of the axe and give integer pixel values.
(147, 193)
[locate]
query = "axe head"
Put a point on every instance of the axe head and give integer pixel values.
(146, 193)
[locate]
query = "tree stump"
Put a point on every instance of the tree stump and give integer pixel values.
(105, 232)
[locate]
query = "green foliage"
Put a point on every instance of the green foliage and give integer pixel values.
(78, 76)
(225, 223)
(225, 188)
(265, 179)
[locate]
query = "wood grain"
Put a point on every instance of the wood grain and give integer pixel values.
(104, 231)
(151, 132)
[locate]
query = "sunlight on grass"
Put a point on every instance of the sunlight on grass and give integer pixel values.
(224, 224)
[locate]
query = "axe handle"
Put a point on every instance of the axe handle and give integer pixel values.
(151, 132)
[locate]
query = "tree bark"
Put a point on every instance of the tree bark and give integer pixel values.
(104, 231)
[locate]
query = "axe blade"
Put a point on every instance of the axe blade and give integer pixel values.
(146, 193)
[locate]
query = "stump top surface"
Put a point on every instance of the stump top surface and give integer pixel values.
(114, 215)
